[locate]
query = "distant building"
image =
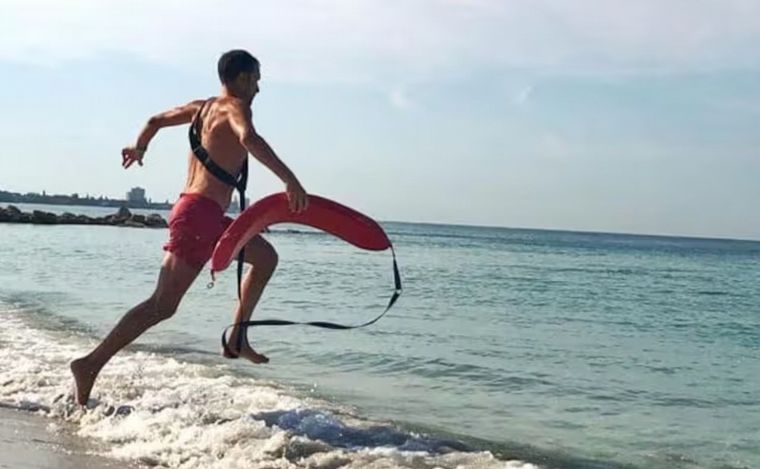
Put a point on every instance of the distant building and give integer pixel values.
(136, 195)
(135, 199)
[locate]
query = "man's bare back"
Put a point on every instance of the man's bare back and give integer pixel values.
(221, 141)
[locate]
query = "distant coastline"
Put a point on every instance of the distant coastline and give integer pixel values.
(75, 199)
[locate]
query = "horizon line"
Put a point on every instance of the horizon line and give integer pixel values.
(520, 228)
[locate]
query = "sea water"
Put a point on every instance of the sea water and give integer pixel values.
(508, 349)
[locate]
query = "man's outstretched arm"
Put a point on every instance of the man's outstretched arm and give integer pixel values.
(177, 116)
(242, 125)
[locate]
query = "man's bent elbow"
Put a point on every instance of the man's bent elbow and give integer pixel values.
(155, 122)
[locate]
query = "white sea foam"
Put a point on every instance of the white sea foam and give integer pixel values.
(163, 412)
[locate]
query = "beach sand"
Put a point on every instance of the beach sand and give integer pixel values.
(27, 443)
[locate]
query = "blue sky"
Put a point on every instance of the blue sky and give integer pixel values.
(591, 115)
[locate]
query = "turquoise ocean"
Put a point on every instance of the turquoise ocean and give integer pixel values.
(509, 348)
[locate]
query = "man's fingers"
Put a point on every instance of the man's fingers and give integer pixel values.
(303, 201)
(298, 200)
(128, 158)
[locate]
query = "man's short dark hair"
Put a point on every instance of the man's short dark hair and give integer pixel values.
(235, 62)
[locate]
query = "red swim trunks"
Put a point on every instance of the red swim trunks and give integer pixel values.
(195, 225)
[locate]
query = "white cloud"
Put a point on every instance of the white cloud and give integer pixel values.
(552, 146)
(379, 40)
(522, 96)
(400, 98)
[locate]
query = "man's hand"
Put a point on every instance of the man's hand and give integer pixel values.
(131, 154)
(297, 198)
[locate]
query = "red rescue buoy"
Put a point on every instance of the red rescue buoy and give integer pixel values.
(324, 214)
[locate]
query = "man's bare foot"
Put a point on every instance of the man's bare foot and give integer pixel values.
(246, 351)
(84, 378)
(249, 353)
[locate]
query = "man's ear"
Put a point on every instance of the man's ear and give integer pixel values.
(241, 81)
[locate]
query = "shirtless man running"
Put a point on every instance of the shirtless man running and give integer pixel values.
(225, 129)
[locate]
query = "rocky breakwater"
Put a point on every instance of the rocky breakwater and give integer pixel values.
(11, 214)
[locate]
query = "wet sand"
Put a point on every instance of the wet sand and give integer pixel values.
(26, 443)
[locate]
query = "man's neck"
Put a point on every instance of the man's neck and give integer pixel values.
(228, 93)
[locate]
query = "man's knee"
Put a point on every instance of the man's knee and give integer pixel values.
(162, 307)
(267, 262)
(264, 258)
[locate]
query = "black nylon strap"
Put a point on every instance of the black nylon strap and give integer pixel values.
(241, 254)
(323, 324)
